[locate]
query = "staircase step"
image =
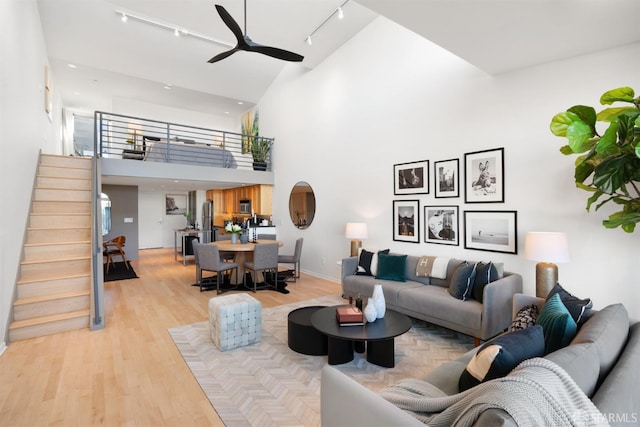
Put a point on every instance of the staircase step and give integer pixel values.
(38, 270)
(52, 285)
(59, 220)
(62, 195)
(65, 161)
(52, 251)
(52, 206)
(46, 305)
(47, 325)
(63, 183)
(58, 235)
(62, 172)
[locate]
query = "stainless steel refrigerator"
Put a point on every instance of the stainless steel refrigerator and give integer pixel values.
(207, 221)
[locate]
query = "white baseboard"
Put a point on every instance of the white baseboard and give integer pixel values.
(3, 347)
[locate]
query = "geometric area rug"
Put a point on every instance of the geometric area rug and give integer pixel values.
(268, 384)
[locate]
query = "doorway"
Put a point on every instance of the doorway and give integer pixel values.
(150, 212)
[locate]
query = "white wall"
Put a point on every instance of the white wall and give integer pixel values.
(165, 113)
(342, 126)
(24, 130)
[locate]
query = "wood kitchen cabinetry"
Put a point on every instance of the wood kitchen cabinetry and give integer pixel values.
(227, 202)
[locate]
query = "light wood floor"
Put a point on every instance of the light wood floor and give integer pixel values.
(130, 373)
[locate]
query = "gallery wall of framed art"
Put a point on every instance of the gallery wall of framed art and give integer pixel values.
(483, 182)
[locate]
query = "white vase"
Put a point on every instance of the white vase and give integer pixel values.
(378, 300)
(370, 312)
(234, 237)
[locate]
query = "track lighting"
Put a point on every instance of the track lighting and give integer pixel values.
(124, 16)
(339, 11)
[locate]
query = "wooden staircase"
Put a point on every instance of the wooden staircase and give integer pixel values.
(54, 285)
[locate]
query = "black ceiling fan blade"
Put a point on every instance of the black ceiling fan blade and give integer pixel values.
(275, 52)
(223, 55)
(230, 22)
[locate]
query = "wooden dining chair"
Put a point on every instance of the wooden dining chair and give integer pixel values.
(114, 247)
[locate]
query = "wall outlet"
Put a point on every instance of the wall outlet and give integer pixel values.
(128, 220)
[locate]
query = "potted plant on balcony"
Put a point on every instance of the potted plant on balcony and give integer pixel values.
(259, 150)
(608, 162)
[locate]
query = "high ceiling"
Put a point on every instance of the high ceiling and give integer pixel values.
(135, 60)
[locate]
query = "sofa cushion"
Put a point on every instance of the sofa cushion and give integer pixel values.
(485, 274)
(462, 281)
(391, 267)
(578, 308)
(581, 362)
(368, 262)
(608, 330)
(557, 323)
(525, 317)
(496, 358)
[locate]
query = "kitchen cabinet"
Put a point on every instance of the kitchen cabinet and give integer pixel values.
(227, 202)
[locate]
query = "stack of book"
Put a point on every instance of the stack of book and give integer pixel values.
(349, 316)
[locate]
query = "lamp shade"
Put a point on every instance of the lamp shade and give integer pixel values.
(356, 230)
(546, 247)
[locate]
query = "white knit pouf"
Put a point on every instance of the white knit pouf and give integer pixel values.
(235, 321)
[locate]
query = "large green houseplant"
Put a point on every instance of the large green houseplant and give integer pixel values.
(608, 148)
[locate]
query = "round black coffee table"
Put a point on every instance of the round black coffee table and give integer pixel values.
(379, 336)
(302, 337)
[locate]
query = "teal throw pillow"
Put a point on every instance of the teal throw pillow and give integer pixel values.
(391, 267)
(557, 324)
(462, 281)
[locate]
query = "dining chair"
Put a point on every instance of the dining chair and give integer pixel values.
(293, 259)
(114, 247)
(226, 255)
(265, 259)
(208, 259)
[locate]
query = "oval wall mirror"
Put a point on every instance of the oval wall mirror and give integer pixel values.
(302, 205)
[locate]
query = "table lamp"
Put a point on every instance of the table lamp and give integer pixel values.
(547, 248)
(356, 231)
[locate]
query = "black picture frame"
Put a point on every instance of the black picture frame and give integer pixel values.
(493, 231)
(406, 221)
(446, 178)
(411, 178)
(484, 176)
(442, 225)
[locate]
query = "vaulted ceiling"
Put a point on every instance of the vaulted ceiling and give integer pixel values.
(137, 60)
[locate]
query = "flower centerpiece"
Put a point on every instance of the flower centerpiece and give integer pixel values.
(235, 231)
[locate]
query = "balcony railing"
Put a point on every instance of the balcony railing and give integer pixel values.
(134, 138)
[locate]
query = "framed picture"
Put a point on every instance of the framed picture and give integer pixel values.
(411, 178)
(176, 204)
(447, 178)
(406, 220)
(484, 176)
(441, 225)
(495, 231)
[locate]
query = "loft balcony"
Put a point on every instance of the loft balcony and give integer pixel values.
(133, 149)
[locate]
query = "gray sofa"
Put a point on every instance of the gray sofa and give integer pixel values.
(602, 359)
(428, 298)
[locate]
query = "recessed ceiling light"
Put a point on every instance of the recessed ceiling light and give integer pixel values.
(226, 112)
(76, 93)
(167, 86)
(240, 102)
(72, 66)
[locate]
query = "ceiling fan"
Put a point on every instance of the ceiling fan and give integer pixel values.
(245, 43)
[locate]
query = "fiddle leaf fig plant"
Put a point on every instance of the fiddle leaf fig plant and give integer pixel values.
(608, 147)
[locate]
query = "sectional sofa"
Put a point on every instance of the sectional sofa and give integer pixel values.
(602, 360)
(429, 298)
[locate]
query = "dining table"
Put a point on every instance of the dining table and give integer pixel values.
(243, 252)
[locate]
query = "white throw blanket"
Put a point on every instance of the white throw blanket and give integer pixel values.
(536, 393)
(432, 266)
